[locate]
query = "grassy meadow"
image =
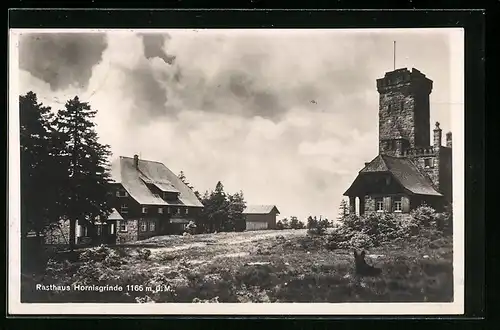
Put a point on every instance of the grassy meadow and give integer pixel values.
(260, 266)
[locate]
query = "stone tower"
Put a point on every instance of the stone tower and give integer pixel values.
(404, 114)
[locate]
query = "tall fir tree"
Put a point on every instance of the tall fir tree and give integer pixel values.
(39, 174)
(236, 219)
(343, 209)
(86, 160)
(183, 178)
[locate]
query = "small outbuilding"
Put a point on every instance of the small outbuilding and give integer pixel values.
(260, 217)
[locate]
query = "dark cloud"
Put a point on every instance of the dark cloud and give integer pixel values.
(149, 95)
(154, 47)
(232, 75)
(61, 59)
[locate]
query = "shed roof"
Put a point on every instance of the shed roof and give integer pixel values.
(260, 209)
(134, 181)
(404, 171)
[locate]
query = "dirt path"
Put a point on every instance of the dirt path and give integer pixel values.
(224, 239)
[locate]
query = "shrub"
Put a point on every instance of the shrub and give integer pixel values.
(296, 224)
(423, 224)
(316, 227)
(424, 216)
(144, 254)
(279, 225)
(361, 240)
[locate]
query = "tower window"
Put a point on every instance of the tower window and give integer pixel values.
(389, 108)
(428, 163)
(402, 105)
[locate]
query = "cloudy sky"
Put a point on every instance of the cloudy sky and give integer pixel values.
(288, 117)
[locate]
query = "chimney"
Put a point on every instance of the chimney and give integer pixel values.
(437, 136)
(136, 161)
(448, 139)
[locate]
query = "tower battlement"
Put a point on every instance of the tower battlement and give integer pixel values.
(403, 77)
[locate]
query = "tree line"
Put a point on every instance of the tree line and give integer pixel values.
(222, 212)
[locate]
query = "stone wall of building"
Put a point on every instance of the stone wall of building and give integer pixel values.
(446, 173)
(432, 172)
(131, 232)
(403, 109)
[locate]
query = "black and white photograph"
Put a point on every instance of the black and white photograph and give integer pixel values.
(306, 171)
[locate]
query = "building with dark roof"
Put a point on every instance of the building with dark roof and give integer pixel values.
(151, 199)
(260, 217)
(408, 171)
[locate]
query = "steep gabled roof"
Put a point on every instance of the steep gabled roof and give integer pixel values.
(115, 215)
(404, 171)
(260, 209)
(135, 180)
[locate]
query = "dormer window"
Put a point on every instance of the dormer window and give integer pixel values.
(169, 195)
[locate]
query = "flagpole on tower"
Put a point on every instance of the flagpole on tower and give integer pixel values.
(394, 56)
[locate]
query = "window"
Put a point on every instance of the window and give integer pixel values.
(112, 229)
(178, 210)
(168, 210)
(144, 210)
(160, 210)
(144, 226)
(389, 108)
(398, 205)
(187, 210)
(123, 225)
(124, 208)
(121, 193)
(99, 230)
(152, 226)
(379, 204)
(428, 163)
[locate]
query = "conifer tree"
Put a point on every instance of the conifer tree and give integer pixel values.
(39, 173)
(85, 189)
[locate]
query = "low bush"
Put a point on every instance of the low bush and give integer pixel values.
(317, 227)
(422, 225)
